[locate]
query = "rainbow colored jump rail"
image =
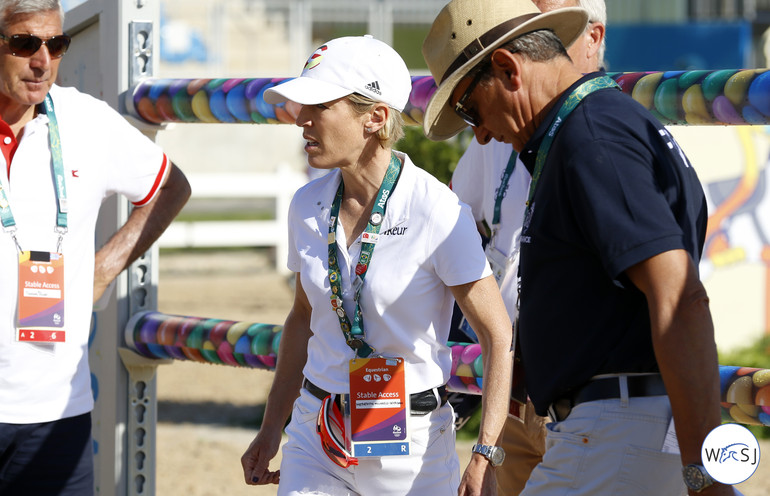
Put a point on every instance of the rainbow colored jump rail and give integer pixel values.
(719, 97)
(745, 391)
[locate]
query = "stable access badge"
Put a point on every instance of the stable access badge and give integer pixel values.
(41, 297)
(378, 407)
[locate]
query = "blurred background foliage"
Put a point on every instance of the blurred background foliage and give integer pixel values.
(437, 157)
(756, 354)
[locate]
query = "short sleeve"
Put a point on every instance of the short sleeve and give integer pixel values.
(129, 163)
(465, 179)
(294, 263)
(620, 204)
(455, 244)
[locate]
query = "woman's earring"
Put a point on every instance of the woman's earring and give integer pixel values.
(368, 130)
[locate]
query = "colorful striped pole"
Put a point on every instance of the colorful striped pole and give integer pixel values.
(745, 391)
(720, 97)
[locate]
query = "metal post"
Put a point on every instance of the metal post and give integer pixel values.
(300, 31)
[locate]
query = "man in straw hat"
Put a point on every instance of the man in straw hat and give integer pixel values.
(494, 182)
(614, 325)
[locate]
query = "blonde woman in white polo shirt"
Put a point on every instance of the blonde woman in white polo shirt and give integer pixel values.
(380, 248)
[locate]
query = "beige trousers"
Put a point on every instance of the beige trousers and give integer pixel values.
(524, 445)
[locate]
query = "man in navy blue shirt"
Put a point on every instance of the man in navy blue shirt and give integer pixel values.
(615, 330)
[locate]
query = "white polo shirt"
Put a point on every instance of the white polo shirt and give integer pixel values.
(428, 241)
(102, 154)
(476, 180)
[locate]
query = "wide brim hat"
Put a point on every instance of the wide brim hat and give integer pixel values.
(466, 31)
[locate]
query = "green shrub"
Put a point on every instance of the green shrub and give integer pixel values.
(437, 157)
(756, 354)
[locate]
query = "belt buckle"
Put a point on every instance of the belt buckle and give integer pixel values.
(552, 413)
(560, 409)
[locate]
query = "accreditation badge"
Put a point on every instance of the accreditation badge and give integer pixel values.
(498, 262)
(379, 407)
(41, 297)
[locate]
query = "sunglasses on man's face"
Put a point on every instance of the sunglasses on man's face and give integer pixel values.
(26, 45)
(469, 115)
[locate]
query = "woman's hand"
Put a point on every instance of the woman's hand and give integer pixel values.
(256, 459)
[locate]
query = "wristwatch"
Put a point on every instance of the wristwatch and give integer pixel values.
(494, 454)
(696, 478)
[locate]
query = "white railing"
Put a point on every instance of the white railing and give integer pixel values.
(279, 186)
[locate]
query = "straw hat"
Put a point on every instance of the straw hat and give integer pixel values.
(466, 31)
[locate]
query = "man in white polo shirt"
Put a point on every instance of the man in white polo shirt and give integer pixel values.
(63, 153)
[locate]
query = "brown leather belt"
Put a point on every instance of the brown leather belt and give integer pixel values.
(607, 388)
(420, 403)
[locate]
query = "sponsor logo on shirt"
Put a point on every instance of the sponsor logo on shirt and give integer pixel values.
(395, 231)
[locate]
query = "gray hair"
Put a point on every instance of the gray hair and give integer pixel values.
(12, 8)
(392, 131)
(597, 12)
(538, 46)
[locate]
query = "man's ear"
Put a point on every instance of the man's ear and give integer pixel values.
(596, 35)
(508, 67)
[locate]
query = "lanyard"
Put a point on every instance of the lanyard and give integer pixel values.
(57, 166)
(502, 190)
(567, 107)
(354, 334)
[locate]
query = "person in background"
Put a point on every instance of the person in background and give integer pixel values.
(491, 179)
(614, 326)
(381, 250)
(63, 153)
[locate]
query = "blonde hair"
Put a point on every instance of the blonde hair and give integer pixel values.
(392, 131)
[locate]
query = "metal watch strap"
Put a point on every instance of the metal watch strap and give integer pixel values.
(494, 454)
(696, 477)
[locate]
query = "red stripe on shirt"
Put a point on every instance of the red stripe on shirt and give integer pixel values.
(8, 149)
(156, 185)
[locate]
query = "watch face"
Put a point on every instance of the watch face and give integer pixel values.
(694, 478)
(497, 456)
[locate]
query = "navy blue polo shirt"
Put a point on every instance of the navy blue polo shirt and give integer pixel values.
(615, 190)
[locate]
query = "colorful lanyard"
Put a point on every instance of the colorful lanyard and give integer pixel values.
(354, 334)
(572, 101)
(60, 190)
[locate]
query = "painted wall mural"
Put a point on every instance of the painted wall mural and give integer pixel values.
(732, 163)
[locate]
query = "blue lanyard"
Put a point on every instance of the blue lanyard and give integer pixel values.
(572, 101)
(503, 189)
(57, 166)
(354, 334)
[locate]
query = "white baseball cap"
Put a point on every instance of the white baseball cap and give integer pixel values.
(353, 64)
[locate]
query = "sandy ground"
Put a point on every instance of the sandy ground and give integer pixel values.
(208, 414)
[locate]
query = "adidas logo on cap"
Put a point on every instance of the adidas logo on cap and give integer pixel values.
(374, 87)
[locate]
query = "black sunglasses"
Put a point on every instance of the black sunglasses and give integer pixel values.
(469, 116)
(26, 45)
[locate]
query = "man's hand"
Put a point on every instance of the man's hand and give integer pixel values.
(479, 478)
